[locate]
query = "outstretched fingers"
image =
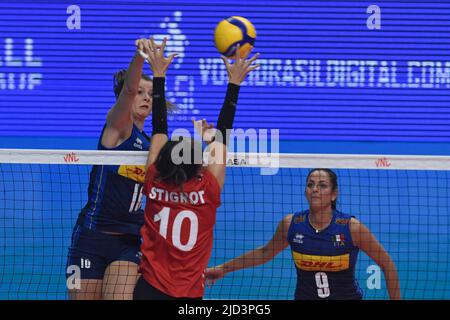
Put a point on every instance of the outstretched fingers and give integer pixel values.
(148, 48)
(157, 59)
(152, 44)
(138, 44)
(254, 67)
(248, 66)
(236, 53)
(252, 59)
(250, 69)
(225, 60)
(163, 44)
(246, 54)
(171, 57)
(227, 65)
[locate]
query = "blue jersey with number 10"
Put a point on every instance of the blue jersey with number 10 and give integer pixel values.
(325, 260)
(115, 192)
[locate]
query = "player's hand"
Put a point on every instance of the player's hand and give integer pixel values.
(213, 274)
(204, 129)
(241, 66)
(156, 58)
(140, 44)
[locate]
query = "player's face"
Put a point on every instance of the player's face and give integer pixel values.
(319, 190)
(142, 106)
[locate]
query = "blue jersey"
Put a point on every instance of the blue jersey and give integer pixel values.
(115, 192)
(325, 260)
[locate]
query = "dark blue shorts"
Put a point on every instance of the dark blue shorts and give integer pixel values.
(94, 251)
(145, 291)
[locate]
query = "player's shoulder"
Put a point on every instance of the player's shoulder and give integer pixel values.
(300, 216)
(349, 221)
(208, 177)
(343, 219)
(295, 217)
(151, 171)
(302, 213)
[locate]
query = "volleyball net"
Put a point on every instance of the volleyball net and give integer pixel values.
(404, 201)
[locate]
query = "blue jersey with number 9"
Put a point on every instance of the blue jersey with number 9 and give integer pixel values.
(325, 260)
(115, 192)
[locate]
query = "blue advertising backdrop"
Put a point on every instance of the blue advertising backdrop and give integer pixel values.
(328, 78)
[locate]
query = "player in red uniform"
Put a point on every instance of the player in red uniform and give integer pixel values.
(182, 197)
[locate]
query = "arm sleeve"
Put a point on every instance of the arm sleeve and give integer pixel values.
(159, 110)
(226, 116)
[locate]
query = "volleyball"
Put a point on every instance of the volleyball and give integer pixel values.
(233, 31)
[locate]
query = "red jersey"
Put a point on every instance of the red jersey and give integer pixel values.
(178, 233)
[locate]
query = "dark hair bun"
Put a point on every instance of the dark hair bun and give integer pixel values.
(118, 80)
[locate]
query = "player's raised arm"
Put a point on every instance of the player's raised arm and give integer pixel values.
(119, 122)
(218, 149)
(254, 257)
(159, 64)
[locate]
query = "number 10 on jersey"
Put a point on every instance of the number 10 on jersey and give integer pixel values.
(180, 218)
